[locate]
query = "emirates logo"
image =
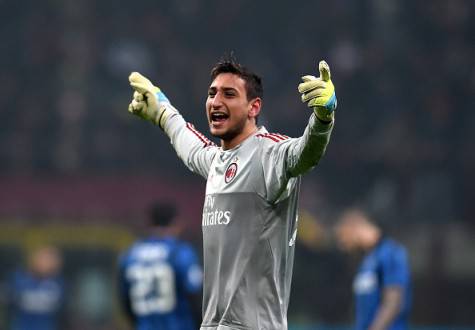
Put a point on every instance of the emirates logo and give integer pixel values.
(230, 172)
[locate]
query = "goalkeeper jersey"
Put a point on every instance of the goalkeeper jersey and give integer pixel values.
(249, 220)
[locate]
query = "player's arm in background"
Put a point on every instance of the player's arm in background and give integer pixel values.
(395, 275)
(389, 308)
(190, 278)
(123, 289)
(293, 157)
(9, 298)
(149, 103)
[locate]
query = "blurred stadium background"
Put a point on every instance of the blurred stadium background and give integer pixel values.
(77, 171)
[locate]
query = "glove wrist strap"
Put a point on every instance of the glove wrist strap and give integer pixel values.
(164, 112)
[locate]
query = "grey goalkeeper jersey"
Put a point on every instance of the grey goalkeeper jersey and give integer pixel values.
(249, 220)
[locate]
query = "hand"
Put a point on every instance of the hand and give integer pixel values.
(320, 93)
(148, 101)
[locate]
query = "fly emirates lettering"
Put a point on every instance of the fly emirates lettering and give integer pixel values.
(212, 216)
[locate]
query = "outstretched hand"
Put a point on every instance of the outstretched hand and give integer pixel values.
(319, 93)
(148, 101)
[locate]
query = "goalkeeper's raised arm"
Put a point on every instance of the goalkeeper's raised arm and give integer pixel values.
(151, 104)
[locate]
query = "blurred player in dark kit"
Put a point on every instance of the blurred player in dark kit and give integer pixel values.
(382, 284)
(36, 295)
(160, 277)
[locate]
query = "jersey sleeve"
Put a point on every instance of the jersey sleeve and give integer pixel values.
(395, 268)
(189, 269)
(193, 148)
(284, 160)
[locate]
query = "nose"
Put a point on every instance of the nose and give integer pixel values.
(216, 101)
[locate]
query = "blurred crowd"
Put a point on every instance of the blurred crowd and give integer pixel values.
(403, 69)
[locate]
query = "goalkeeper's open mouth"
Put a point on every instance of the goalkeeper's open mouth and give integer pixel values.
(217, 118)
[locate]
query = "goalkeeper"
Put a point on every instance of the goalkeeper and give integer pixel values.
(249, 218)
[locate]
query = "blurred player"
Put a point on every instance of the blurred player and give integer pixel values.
(160, 277)
(249, 217)
(36, 296)
(382, 284)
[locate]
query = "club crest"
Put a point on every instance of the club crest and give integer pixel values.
(230, 172)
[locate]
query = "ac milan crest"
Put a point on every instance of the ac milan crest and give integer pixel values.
(230, 172)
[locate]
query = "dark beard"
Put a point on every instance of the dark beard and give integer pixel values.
(232, 132)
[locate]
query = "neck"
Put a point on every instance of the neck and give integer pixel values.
(230, 144)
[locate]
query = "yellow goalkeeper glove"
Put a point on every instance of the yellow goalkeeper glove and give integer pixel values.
(149, 102)
(320, 93)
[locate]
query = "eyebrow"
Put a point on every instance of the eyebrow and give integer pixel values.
(225, 89)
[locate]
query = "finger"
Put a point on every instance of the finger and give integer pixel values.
(136, 77)
(324, 69)
(312, 94)
(139, 87)
(305, 79)
(134, 107)
(308, 78)
(138, 96)
(138, 106)
(309, 85)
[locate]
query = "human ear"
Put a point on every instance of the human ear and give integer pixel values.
(255, 107)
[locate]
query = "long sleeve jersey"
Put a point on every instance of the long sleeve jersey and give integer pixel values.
(249, 220)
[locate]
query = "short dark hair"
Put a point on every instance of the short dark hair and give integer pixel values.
(161, 214)
(229, 64)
